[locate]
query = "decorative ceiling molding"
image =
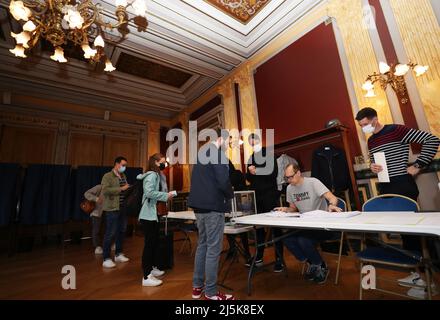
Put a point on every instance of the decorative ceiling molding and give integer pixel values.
(192, 36)
(241, 10)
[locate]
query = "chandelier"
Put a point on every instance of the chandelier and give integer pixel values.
(394, 76)
(63, 21)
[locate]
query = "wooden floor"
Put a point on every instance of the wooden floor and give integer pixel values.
(37, 275)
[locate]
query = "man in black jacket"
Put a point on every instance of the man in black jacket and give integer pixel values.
(210, 196)
(262, 176)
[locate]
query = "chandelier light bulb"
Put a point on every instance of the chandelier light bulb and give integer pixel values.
(108, 66)
(140, 8)
(99, 42)
(370, 94)
(59, 55)
(29, 26)
(368, 85)
(74, 19)
(384, 68)
(88, 52)
(22, 38)
(18, 51)
(19, 11)
(401, 70)
(420, 70)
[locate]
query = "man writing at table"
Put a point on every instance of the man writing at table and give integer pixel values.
(304, 195)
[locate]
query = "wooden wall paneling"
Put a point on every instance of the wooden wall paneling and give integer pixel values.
(27, 145)
(85, 149)
(118, 146)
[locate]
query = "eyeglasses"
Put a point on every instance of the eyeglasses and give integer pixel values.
(287, 178)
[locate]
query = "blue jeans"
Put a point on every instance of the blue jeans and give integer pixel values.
(303, 244)
(115, 228)
(209, 247)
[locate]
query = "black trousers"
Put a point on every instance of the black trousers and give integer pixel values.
(266, 202)
(151, 246)
(405, 186)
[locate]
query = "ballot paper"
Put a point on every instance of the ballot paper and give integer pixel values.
(379, 158)
(332, 215)
(281, 214)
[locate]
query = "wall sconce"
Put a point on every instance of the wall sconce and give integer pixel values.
(394, 76)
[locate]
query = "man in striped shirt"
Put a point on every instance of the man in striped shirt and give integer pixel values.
(395, 140)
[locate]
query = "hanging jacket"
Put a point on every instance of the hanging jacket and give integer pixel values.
(329, 165)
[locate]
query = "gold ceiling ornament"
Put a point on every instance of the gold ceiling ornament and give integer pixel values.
(394, 76)
(63, 21)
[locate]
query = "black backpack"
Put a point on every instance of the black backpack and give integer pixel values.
(132, 203)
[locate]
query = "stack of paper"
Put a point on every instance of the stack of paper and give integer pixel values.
(280, 214)
(326, 214)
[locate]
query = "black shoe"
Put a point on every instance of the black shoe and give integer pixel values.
(322, 275)
(258, 262)
(278, 267)
(310, 271)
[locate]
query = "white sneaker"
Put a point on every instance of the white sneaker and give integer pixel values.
(156, 272)
(113, 248)
(98, 250)
(412, 280)
(151, 281)
(422, 293)
(108, 264)
(121, 258)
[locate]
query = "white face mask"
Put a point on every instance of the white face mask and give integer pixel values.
(368, 129)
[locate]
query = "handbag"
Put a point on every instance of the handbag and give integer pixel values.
(162, 208)
(87, 206)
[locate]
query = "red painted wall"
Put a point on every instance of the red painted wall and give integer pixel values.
(302, 88)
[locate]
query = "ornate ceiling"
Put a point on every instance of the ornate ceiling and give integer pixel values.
(242, 10)
(189, 46)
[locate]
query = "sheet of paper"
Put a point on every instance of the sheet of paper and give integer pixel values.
(332, 215)
(280, 214)
(379, 158)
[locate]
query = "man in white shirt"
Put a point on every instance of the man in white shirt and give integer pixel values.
(308, 194)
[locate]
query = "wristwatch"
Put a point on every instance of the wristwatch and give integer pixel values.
(418, 165)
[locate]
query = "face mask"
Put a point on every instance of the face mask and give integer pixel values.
(368, 129)
(257, 148)
(122, 169)
(162, 166)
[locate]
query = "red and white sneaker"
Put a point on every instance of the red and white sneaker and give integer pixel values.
(220, 296)
(197, 292)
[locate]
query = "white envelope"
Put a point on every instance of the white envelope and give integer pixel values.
(379, 158)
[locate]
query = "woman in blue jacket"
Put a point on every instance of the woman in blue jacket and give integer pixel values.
(155, 189)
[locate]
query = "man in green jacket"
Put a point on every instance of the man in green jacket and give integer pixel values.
(114, 184)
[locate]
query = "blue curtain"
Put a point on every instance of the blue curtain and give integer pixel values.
(46, 195)
(8, 196)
